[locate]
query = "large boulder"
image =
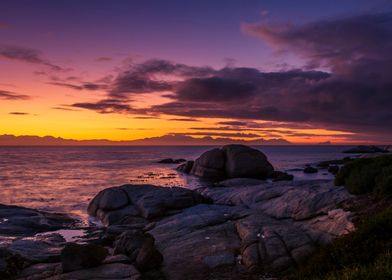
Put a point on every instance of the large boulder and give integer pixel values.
(232, 161)
(143, 202)
(210, 164)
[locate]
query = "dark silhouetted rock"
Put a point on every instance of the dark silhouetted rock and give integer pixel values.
(366, 150)
(78, 256)
(334, 169)
(310, 169)
(185, 167)
(172, 161)
(243, 161)
(232, 161)
(281, 176)
(210, 164)
(10, 263)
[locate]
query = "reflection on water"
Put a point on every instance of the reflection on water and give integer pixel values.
(64, 179)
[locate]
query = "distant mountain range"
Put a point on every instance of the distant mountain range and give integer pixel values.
(166, 140)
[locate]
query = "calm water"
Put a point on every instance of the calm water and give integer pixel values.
(64, 179)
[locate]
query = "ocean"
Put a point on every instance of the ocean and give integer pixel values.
(64, 179)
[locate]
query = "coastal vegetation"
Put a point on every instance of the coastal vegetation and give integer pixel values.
(366, 175)
(365, 253)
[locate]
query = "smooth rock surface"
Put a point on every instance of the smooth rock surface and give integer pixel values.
(248, 225)
(232, 161)
(144, 202)
(20, 221)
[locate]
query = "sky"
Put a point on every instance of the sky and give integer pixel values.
(304, 71)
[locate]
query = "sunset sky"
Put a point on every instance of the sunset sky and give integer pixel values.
(306, 71)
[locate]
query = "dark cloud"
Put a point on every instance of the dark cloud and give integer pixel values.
(8, 95)
(106, 106)
(27, 55)
(148, 77)
(18, 113)
(353, 94)
(184, 120)
(82, 86)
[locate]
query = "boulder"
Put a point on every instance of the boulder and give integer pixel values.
(232, 161)
(210, 164)
(243, 161)
(78, 256)
(143, 202)
(281, 176)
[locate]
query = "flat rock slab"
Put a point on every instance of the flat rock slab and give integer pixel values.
(20, 221)
(39, 249)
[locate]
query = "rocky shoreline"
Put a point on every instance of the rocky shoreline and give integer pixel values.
(234, 229)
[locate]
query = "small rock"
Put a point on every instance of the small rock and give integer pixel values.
(310, 169)
(281, 176)
(76, 256)
(185, 167)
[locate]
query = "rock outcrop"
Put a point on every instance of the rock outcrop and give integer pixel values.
(239, 226)
(232, 161)
(21, 221)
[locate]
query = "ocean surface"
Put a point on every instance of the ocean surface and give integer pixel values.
(64, 179)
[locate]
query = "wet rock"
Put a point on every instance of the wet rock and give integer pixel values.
(232, 161)
(20, 221)
(310, 170)
(77, 256)
(185, 167)
(39, 249)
